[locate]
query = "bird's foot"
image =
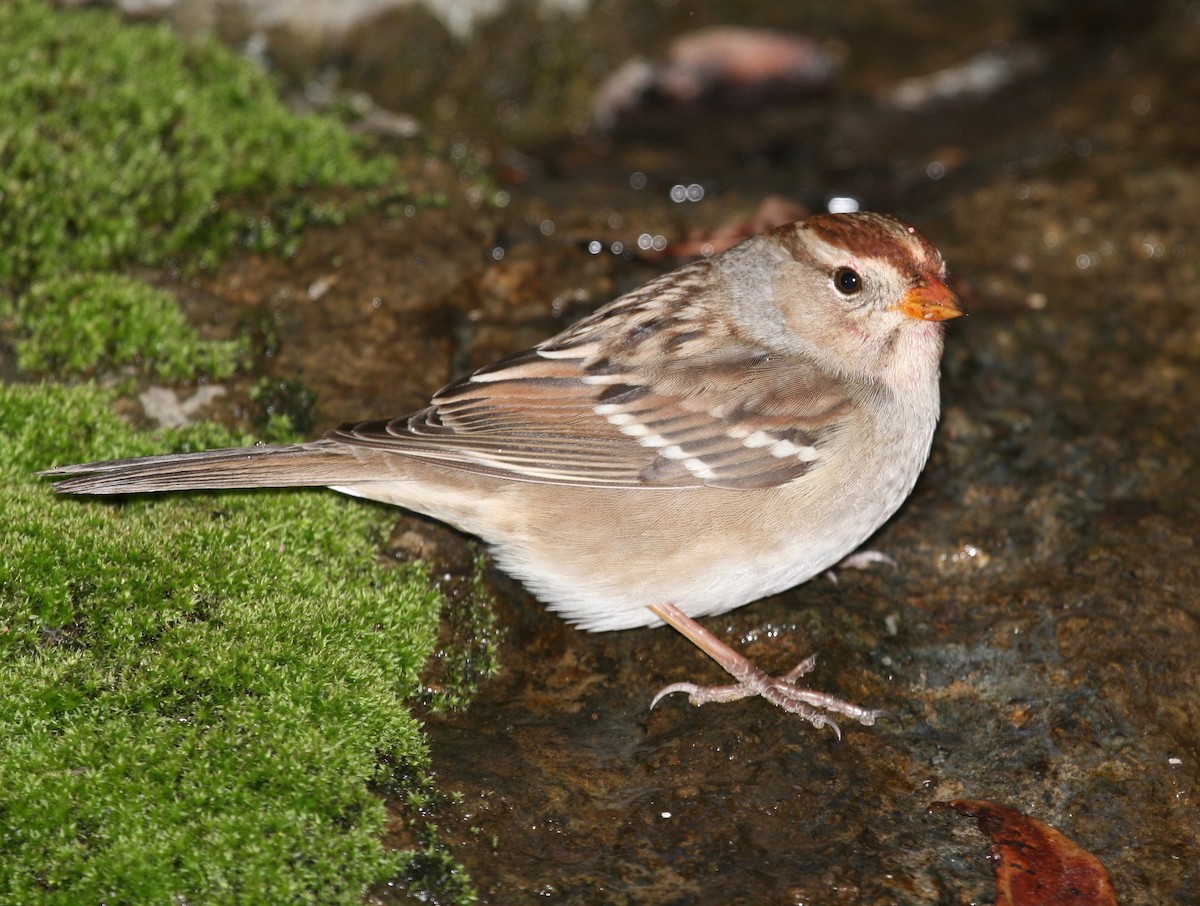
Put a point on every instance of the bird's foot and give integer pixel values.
(865, 560)
(860, 560)
(781, 691)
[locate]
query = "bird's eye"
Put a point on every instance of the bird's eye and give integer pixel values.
(847, 281)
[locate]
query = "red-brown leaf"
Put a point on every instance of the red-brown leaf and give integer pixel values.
(1035, 864)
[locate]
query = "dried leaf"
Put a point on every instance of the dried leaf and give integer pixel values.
(775, 210)
(1035, 864)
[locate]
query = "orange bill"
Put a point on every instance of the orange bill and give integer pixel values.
(932, 300)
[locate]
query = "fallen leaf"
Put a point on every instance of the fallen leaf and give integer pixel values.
(773, 211)
(1035, 864)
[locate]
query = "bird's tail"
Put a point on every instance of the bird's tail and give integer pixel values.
(316, 464)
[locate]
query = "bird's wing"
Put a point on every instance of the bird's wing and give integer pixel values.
(633, 396)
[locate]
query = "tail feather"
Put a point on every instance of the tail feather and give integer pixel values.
(316, 464)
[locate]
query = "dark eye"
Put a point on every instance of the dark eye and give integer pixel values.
(847, 281)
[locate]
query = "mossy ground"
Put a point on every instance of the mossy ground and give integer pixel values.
(199, 694)
(80, 323)
(125, 145)
(196, 689)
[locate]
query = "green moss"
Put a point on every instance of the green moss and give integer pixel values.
(82, 323)
(196, 691)
(123, 144)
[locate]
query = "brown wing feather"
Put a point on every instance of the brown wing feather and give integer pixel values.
(629, 397)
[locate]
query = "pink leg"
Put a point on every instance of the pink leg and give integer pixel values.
(751, 680)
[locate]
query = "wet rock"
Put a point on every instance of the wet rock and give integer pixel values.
(163, 406)
(1038, 637)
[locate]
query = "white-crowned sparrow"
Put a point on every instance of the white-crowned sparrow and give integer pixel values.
(723, 433)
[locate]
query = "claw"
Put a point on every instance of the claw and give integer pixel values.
(780, 691)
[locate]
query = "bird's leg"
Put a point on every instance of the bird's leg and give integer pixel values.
(752, 680)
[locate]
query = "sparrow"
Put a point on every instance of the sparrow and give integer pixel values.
(723, 433)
